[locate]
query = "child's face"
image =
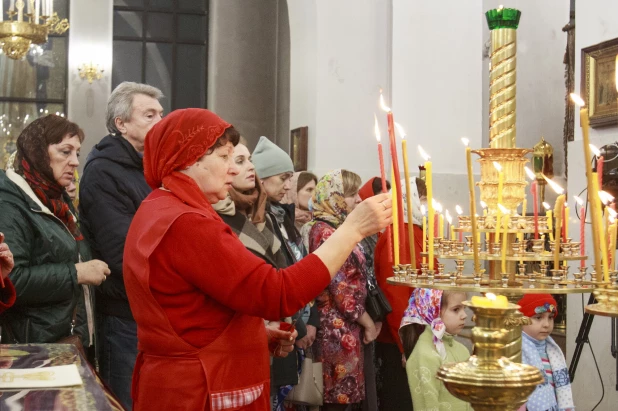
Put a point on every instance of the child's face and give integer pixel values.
(542, 325)
(454, 315)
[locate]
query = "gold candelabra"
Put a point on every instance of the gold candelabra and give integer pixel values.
(17, 34)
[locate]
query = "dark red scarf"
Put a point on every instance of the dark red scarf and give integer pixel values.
(50, 193)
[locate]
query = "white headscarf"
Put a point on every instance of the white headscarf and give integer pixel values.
(417, 216)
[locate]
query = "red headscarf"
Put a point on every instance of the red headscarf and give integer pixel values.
(176, 142)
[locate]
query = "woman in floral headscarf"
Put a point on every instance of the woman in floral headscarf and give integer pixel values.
(197, 294)
(344, 323)
(430, 322)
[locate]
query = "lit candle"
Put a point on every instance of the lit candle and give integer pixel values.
(559, 206)
(595, 207)
(395, 163)
(582, 230)
(490, 301)
(424, 233)
(565, 220)
(505, 234)
(404, 151)
(599, 223)
(550, 220)
(500, 188)
(475, 231)
(451, 228)
(395, 222)
(430, 211)
(459, 213)
(380, 154)
(600, 160)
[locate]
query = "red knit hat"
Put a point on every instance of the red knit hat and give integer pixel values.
(533, 304)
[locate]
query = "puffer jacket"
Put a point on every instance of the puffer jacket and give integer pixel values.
(44, 276)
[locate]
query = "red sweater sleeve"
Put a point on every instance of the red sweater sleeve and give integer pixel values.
(7, 295)
(208, 255)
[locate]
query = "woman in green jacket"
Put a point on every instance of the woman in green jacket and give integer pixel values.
(52, 273)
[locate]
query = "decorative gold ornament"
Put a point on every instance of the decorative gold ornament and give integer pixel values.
(17, 35)
(489, 380)
(90, 72)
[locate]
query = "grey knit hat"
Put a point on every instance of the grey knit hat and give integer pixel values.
(270, 160)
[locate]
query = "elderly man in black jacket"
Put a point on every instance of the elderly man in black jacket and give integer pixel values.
(112, 188)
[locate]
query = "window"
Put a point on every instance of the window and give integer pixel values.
(33, 87)
(163, 43)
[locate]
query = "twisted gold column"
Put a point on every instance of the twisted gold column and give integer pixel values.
(503, 88)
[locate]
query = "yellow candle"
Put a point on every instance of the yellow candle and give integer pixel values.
(504, 239)
(593, 197)
(424, 238)
(395, 221)
(601, 238)
(490, 301)
(430, 210)
(612, 249)
(566, 221)
(476, 235)
(550, 224)
(500, 187)
(558, 210)
(404, 150)
(441, 226)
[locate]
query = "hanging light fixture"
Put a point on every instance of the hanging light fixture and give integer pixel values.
(28, 22)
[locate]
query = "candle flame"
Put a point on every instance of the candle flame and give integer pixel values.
(436, 206)
(483, 204)
(547, 206)
(595, 150)
(423, 209)
(449, 218)
(577, 100)
(402, 132)
(498, 166)
(423, 153)
(465, 141)
(376, 127)
(503, 209)
(531, 174)
(579, 200)
(383, 104)
(605, 197)
(491, 296)
(458, 209)
(554, 186)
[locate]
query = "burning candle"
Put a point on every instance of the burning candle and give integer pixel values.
(451, 227)
(595, 207)
(565, 220)
(550, 220)
(395, 222)
(559, 206)
(395, 162)
(601, 236)
(500, 188)
(459, 213)
(475, 233)
(582, 230)
(424, 233)
(600, 160)
(430, 211)
(380, 154)
(490, 301)
(404, 150)
(505, 234)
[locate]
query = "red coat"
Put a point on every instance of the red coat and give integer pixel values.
(7, 295)
(397, 295)
(198, 297)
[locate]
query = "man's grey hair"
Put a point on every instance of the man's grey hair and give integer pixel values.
(120, 103)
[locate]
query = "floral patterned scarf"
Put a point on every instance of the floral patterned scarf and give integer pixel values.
(328, 200)
(424, 308)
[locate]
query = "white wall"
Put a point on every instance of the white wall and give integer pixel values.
(90, 40)
(338, 64)
(595, 22)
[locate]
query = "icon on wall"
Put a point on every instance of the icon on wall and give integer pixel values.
(298, 147)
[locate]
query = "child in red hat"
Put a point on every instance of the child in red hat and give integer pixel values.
(541, 351)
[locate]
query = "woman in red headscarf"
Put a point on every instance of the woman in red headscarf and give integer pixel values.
(197, 294)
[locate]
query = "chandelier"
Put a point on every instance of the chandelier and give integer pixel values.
(17, 34)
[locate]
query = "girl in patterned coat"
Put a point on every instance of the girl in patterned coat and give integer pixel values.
(430, 323)
(540, 350)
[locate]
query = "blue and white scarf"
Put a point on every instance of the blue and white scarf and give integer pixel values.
(545, 397)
